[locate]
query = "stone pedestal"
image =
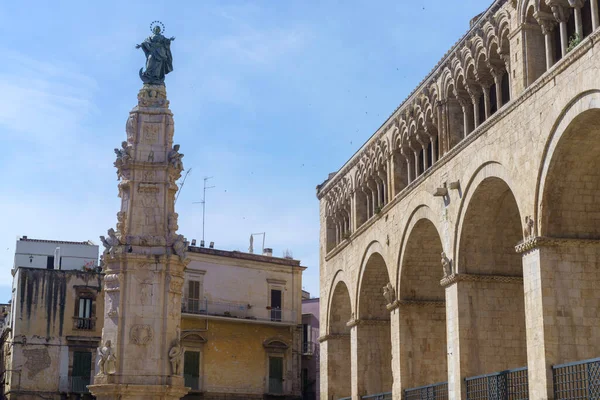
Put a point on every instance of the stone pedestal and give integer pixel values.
(144, 262)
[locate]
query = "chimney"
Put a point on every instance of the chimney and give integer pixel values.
(268, 252)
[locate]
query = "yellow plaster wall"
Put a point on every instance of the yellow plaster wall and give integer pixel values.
(233, 357)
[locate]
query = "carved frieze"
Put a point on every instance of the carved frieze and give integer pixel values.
(141, 334)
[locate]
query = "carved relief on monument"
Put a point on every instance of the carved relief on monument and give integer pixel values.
(170, 128)
(131, 126)
(141, 334)
(146, 286)
(37, 361)
(150, 133)
(121, 223)
(112, 304)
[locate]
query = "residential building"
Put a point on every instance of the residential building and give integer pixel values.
(241, 325)
(460, 245)
(310, 348)
(52, 330)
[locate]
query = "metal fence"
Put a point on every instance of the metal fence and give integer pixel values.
(379, 396)
(577, 380)
(436, 391)
(236, 310)
(505, 385)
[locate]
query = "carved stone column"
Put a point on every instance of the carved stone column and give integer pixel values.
(561, 14)
(144, 261)
(577, 5)
(595, 17)
(547, 24)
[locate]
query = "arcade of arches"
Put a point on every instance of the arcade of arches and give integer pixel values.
(463, 239)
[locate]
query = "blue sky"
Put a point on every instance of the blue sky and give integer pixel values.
(268, 97)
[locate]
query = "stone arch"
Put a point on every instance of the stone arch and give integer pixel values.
(568, 204)
(488, 170)
(422, 327)
(489, 285)
(338, 364)
(339, 287)
(372, 327)
(374, 249)
(567, 267)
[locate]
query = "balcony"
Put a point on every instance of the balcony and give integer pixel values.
(309, 348)
(238, 311)
(86, 324)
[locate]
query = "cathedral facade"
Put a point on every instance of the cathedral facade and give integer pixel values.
(460, 246)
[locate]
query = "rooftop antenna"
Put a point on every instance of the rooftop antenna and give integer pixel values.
(182, 183)
(251, 248)
(203, 202)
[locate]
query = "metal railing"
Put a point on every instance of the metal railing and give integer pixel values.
(309, 348)
(436, 391)
(379, 396)
(505, 385)
(577, 380)
(84, 323)
(79, 384)
(236, 310)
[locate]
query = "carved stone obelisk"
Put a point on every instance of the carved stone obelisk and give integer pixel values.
(144, 261)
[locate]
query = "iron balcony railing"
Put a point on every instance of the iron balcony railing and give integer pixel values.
(79, 384)
(236, 310)
(309, 348)
(436, 391)
(84, 323)
(505, 385)
(577, 380)
(379, 396)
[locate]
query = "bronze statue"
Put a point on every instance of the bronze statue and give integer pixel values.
(159, 60)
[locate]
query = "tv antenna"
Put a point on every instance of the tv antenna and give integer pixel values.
(182, 183)
(203, 202)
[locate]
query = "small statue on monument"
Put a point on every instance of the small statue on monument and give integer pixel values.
(175, 354)
(446, 265)
(110, 243)
(389, 293)
(175, 158)
(159, 60)
(108, 361)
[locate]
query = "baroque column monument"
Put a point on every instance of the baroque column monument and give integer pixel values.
(145, 257)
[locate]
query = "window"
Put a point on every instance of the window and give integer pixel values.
(306, 346)
(191, 369)
(84, 314)
(194, 303)
(276, 375)
(82, 368)
(275, 305)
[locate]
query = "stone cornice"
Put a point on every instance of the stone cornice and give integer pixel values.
(421, 303)
(367, 322)
(545, 241)
(454, 278)
(333, 336)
